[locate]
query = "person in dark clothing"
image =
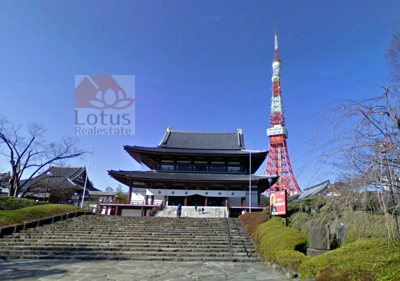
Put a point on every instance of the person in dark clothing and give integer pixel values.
(179, 210)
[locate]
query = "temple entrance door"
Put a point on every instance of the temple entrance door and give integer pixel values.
(195, 200)
(216, 201)
(175, 200)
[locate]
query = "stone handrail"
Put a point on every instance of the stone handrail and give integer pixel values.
(154, 210)
(13, 228)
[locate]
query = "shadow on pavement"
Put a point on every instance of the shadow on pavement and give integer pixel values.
(22, 269)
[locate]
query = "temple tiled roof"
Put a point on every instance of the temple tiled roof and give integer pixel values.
(59, 177)
(168, 150)
(314, 190)
(197, 144)
(201, 140)
(144, 176)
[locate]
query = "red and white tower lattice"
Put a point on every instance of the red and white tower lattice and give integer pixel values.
(278, 158)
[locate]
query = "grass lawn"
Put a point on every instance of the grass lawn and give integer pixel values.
(366, 259)
(21, 215)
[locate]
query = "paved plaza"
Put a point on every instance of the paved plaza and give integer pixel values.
(71, 270)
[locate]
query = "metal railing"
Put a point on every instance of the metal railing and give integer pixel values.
(260, 205)
(228, 233)
(243, 243)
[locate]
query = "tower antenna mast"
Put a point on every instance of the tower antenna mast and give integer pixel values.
(278, 162)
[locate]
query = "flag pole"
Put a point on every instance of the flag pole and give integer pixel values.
(86, 178)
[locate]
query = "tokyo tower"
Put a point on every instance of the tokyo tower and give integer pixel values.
(278, 162)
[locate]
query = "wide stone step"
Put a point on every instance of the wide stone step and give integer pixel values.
(123, 234)
(106, 238)
(166, 248)
(127, 238)
(147, 238)
(139, 258)
(209, 247)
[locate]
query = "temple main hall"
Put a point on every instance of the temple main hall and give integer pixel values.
(194, 169)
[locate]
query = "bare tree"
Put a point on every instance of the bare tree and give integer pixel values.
(364, 144)
(393, 57)
(365, 135)
(29, 152)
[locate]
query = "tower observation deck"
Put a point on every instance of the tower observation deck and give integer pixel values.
(278, 162)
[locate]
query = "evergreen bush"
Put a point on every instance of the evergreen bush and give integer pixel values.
(13, 203)
(365, 259)
(274, 237)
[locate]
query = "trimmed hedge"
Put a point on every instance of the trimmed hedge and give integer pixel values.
(8, 217)
(253, 220)
(366, 259)
(290, 259)
(13, 203)
(281, 244)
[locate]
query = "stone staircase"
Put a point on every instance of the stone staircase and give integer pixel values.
(191, 212)
(129, 238)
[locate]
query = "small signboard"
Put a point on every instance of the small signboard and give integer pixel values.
(277, 203)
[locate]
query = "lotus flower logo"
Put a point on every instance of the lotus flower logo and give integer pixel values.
(101, 92)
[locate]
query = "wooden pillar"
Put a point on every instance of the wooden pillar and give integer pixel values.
(226, 202)
(205, 201)
(146, 199)
(243, 201)
(185, 201)
(130, 195)
(141, 211)
(152, 200)
(165, 201)
(116, 211)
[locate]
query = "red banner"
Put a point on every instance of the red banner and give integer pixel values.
(277, 203)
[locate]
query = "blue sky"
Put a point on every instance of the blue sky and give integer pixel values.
(199, 66)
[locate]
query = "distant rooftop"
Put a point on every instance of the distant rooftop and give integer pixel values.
(202, 140)
(314, 190)
(60, 177)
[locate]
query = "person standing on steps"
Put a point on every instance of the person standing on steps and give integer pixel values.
(179, 210)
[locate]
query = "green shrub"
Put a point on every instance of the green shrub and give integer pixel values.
(312, 205)
(366, 259)
(297, 220)
(13, 203)
(21, 215)
(273, 237)
(253, 220)
(293, 207)
(290, 259)
(360, 225)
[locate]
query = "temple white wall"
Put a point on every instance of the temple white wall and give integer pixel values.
(234, 196)
(130, 212)
(254, 198)
(138, 196)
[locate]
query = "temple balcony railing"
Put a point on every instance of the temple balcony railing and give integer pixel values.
(239, 206)
(133, 202)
